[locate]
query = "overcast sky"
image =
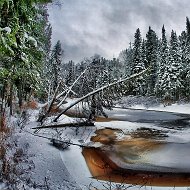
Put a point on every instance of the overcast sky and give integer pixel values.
(106, 27)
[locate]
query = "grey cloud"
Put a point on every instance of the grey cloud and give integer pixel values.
(86, 27)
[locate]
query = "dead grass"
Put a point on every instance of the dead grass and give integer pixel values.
(32, 104)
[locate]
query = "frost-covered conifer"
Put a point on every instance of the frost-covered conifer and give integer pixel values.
(152, 57)
(171, 81)
(162, 63)
(137, 63)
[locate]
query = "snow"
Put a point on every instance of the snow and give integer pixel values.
(33, 40)
(176, 108)
(2, 186)
(81, 173)
(7, 29)
(151, 103)
(68, 168)
(43, 159)
(25, 35)
(48, 164)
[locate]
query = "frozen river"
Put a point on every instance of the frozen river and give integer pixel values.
(137, 149)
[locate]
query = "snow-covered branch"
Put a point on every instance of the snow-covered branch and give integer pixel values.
(100, 89)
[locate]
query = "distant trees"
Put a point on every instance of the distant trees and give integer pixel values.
(169, 61)
(165, 62)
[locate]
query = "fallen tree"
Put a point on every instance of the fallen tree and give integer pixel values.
(62, 125)
(45, 111)
(101, 89)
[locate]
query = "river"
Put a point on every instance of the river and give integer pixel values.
(138, 149)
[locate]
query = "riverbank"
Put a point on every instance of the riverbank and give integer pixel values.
(42, 166)
(32, 162)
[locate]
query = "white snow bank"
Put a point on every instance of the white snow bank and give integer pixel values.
(177, 108)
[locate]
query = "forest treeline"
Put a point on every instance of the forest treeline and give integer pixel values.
(29, 67)
(167, 57)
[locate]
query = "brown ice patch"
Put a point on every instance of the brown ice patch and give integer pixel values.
(103, 168)
(127, 149)
(106, 136)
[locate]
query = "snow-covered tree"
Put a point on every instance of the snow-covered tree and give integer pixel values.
(70, 74)
(55, 65)
(125, 57)
(162, 63)
(144, 59)
(186, 59)
(137, 63)
(151, 57)
(22, 50)
(171, 81)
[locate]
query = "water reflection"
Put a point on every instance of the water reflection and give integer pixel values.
(103, 168)
(149, 133)
(176, 124)
(140, 157)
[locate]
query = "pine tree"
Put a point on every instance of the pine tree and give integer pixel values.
(186, 58)
(70, 75)
(128, 62)
(137, 53)
(162, 63)
(182, 41)
(144, 59)
(22, 49)
(137, 64)
(151, 56)
(55, 64)
(171, 81)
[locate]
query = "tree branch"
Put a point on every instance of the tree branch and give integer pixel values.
(98, 90)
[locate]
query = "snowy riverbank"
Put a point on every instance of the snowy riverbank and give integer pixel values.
(56, 169)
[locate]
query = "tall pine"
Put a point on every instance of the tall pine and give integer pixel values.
(151, 57)
(55, 64)
(162, 63)
(186, 59)
(137, 63)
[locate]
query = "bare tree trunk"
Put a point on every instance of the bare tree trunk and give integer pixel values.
(41, 117)
(67, 91)
(70, 88)
(78, 124)
(11, 100)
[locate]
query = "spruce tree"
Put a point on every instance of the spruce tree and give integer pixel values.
(137, 64)
(171, 81)
(186, 59)
(128, 63)
(162, 63)
(55, 64)
(144, 59)
(176, 67)
(151, 56)
(22, 48)
(70, 74)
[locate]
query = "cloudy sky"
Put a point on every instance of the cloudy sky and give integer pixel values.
(106, 27)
